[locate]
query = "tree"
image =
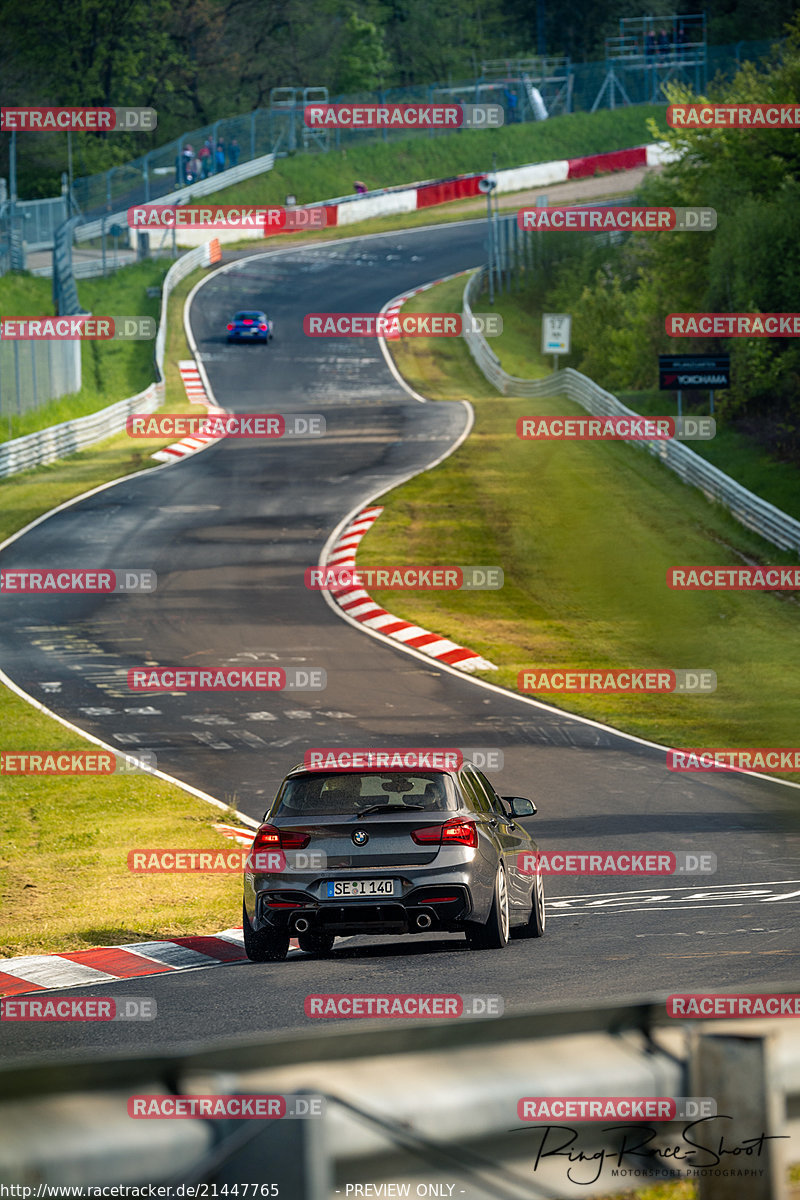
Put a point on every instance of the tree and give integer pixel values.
(363, 62)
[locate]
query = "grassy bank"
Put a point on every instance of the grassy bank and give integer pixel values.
(111, 370)
(80, 828)
(388, 164)
(741, 458)
(585, 533)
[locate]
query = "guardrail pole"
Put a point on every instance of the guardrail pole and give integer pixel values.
(289, 1153)
(17, 379)
(736, 1070)
(489, 224)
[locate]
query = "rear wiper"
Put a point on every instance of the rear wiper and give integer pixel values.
(391, 808)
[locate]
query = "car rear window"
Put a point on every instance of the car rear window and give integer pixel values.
(351, 792)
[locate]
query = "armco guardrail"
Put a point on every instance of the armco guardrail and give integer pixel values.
(57, 441)
(433, 1101)
(182, 195)
(765, 519)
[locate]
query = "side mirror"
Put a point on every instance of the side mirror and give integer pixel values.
(520, 807)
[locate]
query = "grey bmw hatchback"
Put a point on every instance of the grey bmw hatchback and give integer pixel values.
(389, 851)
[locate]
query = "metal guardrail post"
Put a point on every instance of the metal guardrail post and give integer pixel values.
(736, 1070)
(289, 1153)
(34, 389)
(17, 384)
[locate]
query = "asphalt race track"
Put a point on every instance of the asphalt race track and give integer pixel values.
(229, 533)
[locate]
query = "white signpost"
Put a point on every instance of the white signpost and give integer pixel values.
(556, 331)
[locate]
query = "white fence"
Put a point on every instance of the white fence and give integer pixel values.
(57, 441)
(771, 523)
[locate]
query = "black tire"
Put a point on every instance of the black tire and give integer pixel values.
(263, 945)
(535, 925)
(495, 933)
(316, 943)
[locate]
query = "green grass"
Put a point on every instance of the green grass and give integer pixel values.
(584, 533)
(25, 496)
(64, 882)
(733, 452)
(110, 370)
(387, 164)
(684, 1190)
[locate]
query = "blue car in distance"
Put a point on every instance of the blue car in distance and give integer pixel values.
(250, 326)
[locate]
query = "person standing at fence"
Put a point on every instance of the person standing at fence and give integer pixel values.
(205, 159)
(649, 44)
(682, 39)
(663, 43)
(220, 155)
(188, 161)
(233, 153)
(511, 104)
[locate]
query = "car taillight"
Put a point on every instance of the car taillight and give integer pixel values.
(263, 328)
(230, 326)
(269, 838)
(454, 831)
(293, 841)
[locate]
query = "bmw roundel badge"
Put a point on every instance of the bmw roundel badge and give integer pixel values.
(360, 837)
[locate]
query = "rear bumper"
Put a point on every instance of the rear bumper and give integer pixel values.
(423, 910)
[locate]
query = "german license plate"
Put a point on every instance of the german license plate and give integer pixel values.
(360, 887)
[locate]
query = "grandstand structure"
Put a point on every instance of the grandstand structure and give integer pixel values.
(650, 52)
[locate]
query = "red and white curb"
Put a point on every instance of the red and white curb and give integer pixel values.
(349, 210)
(107, 964)
(395, 306)
(359, 605)
(196, 393)
(243, 836)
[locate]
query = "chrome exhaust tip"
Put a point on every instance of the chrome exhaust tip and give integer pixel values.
(424, 921)
(302, 924)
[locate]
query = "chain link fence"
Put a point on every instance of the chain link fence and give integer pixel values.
(563, 86)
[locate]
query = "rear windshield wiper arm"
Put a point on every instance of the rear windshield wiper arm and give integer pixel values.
(375, 808)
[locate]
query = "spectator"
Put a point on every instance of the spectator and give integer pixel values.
(682, 39)
(188, 160)
(663, 43)
(220, 155)
(511, 102)
(205, 160)
(359, 187)
(649, 44)
(233, 153)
